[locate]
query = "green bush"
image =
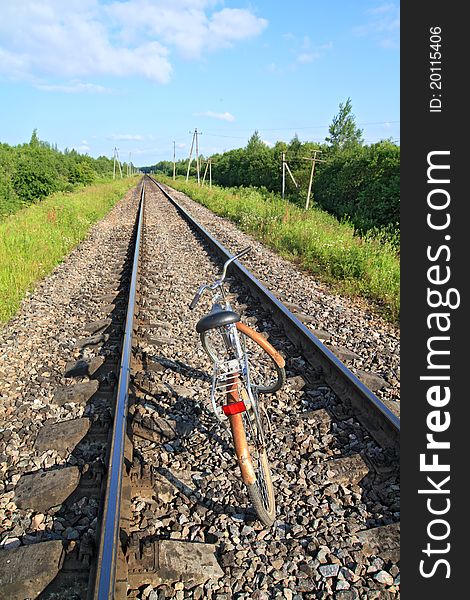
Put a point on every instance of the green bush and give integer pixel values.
(363, 185)
(30, 172)
(81, 172)
(33, 178)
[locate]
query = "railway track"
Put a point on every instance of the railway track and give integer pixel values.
(174, 521)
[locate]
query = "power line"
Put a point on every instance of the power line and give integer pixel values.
(304, 127)
(323, 126)
(235, 137)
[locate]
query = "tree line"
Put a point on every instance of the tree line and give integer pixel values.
(29, 172)
(357, 182)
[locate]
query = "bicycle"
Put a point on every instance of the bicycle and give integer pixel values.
(245, 365)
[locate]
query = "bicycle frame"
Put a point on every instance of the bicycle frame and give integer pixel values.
(232, 345)
(236, 364)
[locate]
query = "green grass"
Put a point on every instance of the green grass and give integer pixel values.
(313, 239)
(37, 238)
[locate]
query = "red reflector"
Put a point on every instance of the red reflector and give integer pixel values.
(234, 408)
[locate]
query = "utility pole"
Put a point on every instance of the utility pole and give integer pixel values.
(118, 162)
(314, 160)
(208, 167)
(190, 155)
(197, 157)
(174, 161)
(195, 134)
(283, 174)
(291, 176)
(205, 171)
(284, 167)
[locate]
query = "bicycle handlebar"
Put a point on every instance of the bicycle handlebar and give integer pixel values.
(198, 295)
(218, 283)
(230, 260)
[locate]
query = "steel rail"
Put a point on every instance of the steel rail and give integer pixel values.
(374, 414)
(110, 524)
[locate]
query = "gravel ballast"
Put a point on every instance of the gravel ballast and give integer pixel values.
(326, 490)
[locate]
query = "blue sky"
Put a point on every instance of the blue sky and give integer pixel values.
(140, 74)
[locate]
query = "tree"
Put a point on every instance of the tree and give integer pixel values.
(343, 131)
(255, 143)
(34, 141)
(34, 178)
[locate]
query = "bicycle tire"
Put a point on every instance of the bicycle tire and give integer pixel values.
(261, 492)
(275, 358)
(247, 426)
(254, 465)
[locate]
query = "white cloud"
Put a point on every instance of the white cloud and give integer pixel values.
(302, 51)
(383, 8)
(71, 39)
(143, 151)
(74, 87)
(83, 147)
(87, 38)
(383, 25)
(307, 57)
(125, 137)
(225, 116)
(232, 24)
(186, 25)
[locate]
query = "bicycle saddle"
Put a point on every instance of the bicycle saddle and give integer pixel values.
(217, 318)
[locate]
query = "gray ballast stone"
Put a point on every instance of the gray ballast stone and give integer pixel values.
(112, 297)
(330, 570)
(41, 490)
(346, 471)
(318, 418)
(81, 368)
(342, 353)
(79, 393)
(28, 570)
(293, 307)
(382, 541)
(303, 318)
(93, 340)
(156, 340)
(155, 428)
(62, 436)
(321, 334)
(190, 562)
(97, 326)
(371, 380)
(384, 578)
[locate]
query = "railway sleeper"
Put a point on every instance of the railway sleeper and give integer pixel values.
(168, 561)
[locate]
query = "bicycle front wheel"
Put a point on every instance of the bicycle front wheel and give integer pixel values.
(267, 366)
(261, 492)
(253, 462)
